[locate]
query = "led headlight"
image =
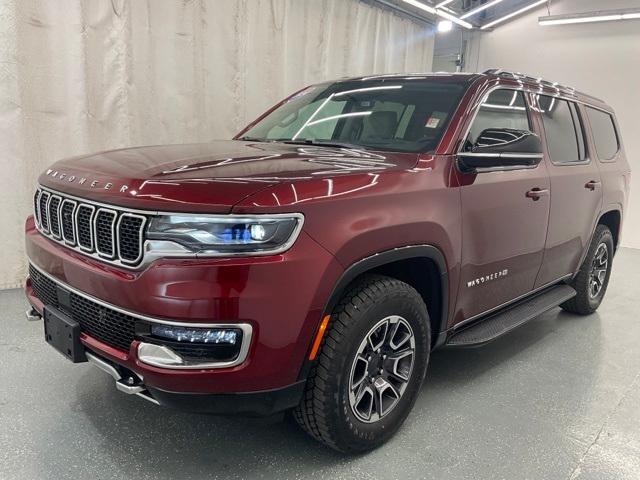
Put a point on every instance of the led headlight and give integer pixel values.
(228, 234)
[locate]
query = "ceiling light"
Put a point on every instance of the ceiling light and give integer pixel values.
(481, 8)
(445, 26)
(590, 17)
(440, 13)
(454, 19)
(421, 6)
(442, 4)
(512, 14)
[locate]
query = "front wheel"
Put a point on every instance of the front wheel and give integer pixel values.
(370, 367)
(593, 278)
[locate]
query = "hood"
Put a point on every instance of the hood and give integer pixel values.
(206, 177)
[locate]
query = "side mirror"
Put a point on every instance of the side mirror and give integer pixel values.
(502, 149)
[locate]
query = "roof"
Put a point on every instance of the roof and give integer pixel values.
(530, 81)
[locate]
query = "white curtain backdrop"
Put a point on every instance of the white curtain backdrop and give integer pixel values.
(80, 76)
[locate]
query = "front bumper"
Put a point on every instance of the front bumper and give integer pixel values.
(282, 297)
(255, 404)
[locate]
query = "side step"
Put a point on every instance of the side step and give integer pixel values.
(503, 321)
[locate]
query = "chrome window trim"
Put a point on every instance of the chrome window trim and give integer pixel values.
(140, 239)
(105, 255)
(73, 222)
(587, 159)
(91, 220)
(483, 99)
(247, 328)
(614, 124)
(501, 155)
(524, 89)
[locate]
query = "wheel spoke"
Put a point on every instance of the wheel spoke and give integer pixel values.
(365, 401)
(359, 372)
(399, 337)
(378, 336)
(401, 364)
(386, 397)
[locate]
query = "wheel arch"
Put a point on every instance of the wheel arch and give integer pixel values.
(407, 264)
(613, 220)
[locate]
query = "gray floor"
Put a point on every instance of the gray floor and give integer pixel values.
(557, 399)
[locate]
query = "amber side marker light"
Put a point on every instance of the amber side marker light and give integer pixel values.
(319, 335)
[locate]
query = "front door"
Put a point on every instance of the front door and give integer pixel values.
(576, 192)
(503, 228)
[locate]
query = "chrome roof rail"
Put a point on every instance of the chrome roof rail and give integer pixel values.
(528, 78)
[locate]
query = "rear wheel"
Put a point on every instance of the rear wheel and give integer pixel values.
(370, 368)
(593, 278)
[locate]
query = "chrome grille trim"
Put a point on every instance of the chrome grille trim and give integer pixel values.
(87, 247)
(69, 237)
(82, 236)
(140, 238)
(36, 206)
(43, 207)
(53, 211)
(111, 253)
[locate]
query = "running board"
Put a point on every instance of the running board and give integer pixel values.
(497, 324)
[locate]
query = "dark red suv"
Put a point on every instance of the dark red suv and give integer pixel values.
(314, 261)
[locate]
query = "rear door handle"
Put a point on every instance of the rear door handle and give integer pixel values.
(536, 193)
(591, 185)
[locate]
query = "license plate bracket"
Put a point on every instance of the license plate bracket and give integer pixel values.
(63, 334)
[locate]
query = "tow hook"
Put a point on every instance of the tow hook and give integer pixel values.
(33, 315)
(129, 383)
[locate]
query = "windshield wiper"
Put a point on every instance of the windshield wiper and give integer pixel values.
(323, 143)
(252, 139)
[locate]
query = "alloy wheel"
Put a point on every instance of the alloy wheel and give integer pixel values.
(598, 273)
(381, 369)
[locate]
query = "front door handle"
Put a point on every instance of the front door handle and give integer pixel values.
(591, 185)
(536, 193)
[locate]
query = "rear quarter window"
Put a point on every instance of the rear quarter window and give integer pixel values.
(605, 135)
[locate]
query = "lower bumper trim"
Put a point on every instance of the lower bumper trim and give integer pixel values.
(121, 384)
(251, 404)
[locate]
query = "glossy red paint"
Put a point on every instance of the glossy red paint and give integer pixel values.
(356, 204)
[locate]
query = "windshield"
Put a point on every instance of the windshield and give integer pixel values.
(405, 115)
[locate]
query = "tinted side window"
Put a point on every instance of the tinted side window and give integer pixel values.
(563, 129)
(502, 109)
(604, 133)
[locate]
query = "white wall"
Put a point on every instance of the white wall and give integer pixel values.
(601, 59)
(80, 76)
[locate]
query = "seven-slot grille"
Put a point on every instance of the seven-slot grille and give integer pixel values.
(114, 235)
(102, 323)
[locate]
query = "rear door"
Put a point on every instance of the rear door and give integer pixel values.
(576, 188)
(503, 229)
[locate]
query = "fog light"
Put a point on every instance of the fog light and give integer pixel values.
(223, 336)
(258, 232)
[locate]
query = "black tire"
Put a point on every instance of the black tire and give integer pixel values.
(586, 302)
(325, 411)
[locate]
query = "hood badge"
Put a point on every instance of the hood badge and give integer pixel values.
(84, 180)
